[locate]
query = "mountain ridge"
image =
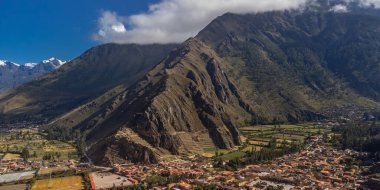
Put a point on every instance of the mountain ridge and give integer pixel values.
(80, 80)
(216, 82)
(241, 69)
(13, 74)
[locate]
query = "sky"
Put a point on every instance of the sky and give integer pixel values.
(173, 21)
(34, 30)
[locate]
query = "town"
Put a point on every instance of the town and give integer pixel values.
(318, 165)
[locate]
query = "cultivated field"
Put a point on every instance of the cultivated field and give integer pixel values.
(15, 141)
(63, 183)
(46, 171)
(10, 157)
(258, 137)
(263, 134)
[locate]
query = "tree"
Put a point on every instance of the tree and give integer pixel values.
(155, 180)
(272, 143)
(81, 145)
(58, 154)
(216, 153)
(325, 138)
(25, 153)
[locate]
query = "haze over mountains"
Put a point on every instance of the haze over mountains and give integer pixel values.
(13, 74)
(95, 72)
(141, 102)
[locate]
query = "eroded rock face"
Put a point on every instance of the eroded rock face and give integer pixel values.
(186, 95)
(115, 150)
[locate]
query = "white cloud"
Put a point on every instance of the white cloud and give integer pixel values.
(111, 26)
(365, 3)
(176, 20)
(173, 21)
(370, 3)
(339, 8)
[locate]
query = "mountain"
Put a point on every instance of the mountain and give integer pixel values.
(297, 63)
(283, 66)
(96, 71)
(13, 75)
(240, 69)
(50, 64)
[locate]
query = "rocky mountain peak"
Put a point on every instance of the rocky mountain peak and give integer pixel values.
(13, 74)
(54, 61)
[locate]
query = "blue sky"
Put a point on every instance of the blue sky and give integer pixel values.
(33, 30)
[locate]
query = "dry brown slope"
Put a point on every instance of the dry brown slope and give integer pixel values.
(287, 66)
(187, 93)
(95, 72)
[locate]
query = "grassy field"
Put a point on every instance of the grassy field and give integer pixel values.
(37, 145)
(45, 171)
(259, 137)
(233, 155)
(10, 156)
(264, 133)
(63, 183)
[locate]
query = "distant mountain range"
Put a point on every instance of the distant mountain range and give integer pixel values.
(77, 82)
(141, 102)
(13, 74)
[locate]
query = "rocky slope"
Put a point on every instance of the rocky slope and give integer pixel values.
(95, 72)
(240, 69)
(187, 94)
(295, 64)
(13, 75)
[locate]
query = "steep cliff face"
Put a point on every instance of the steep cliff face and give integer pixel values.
(186, 96)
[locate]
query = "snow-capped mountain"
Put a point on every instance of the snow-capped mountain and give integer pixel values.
(13, 74)
(4, 63)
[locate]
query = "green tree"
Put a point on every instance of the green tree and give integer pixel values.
(25, 153)
(58, 154)
(272, 143)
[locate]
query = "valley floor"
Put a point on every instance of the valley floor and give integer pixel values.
(317, 166)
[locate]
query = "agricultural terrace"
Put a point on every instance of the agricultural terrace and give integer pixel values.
(16, 143)
(63, 183)
(261, 137)
(10, 157)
